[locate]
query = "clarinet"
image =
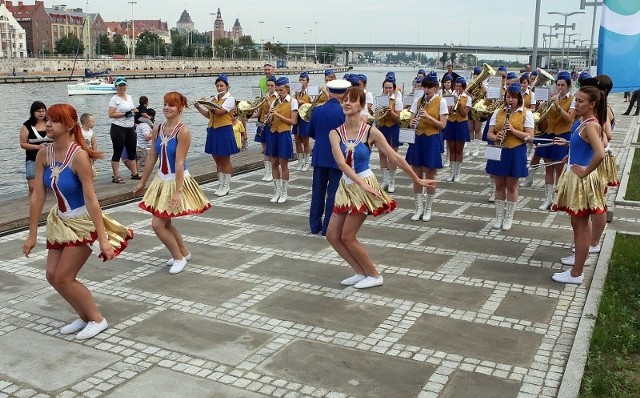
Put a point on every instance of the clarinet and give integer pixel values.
(504, 126)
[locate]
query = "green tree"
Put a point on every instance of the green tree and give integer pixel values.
(223, 46)
(104, 45)
(246, 48)
(118, 46)
(444, 59)
(147, 43)
(453, 58)
(327, 54)
(69, 45)
(276, 49)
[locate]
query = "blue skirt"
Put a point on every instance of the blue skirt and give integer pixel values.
(261, 134)
(457, 131)
(279, 145)
(301, 129)
(554, 152)
(221, 141)
(513, 163)
(426, 152)
(392, 134)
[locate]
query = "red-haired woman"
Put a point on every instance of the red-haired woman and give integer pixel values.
(76, 221)
(359, 193)
(173, 192)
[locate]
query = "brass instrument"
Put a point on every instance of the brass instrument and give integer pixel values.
(246, 108)
(483, 109)
(404, 118)
(378, 113)
(208, 103)
(540, 117)
(543, 78)
(304, 110)
(475, 88)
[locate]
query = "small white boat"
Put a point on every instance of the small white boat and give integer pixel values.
(93, 86)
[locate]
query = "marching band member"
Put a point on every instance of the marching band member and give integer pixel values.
(173, 192)
(456, 133)
(511, 125)
(502, 71)
(429, 116)
(359, 193)
(579, 189)
(326, 174)
(558, 126)
(262, 130)
(302, 128)
(221, 142)
(416, 85)
(446, 88)
(329, 75)
(475, 127)
(284, 115)
(369, 96)
(528, 95)
(390, 128)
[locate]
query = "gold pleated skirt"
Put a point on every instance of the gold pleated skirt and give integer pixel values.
(608, 171)
(75, 231)
(351, 198)
(156, 199)
(580, 196)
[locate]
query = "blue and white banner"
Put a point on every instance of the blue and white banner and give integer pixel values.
(619, 44)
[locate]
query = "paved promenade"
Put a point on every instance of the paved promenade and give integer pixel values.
(465, 310)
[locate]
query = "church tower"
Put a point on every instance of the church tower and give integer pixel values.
(218, 27)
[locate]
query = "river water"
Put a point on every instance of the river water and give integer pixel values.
(16, 99)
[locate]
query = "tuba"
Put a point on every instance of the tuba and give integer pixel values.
(475, 89)
(543, 78)
(246, 108)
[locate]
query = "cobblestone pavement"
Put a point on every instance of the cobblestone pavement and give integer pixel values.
(465, 311)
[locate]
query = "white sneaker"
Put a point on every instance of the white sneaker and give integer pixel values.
(369, 281)
(92, 329)
(352, 280)
(569, 260)
(187, 257)
(73, 327)
(178, 266)
(565, 277)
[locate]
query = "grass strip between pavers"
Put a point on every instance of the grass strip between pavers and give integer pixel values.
(633, 186)
(613, 363)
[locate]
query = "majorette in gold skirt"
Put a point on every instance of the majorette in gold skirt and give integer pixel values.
(608, 171)
(351, 198)
(80, 230)
(162, 189)
(579, 196)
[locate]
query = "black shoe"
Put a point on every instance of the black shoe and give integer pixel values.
(626, 113)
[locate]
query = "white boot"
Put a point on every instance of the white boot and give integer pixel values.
(305, 164)
(385, 179)
(476, 147)
(226, 179)
(268, 177)
(548, 197)
(392, 181)
(499, 214)
(528, 181)
(419, 209)
(456, 172)
(283, 194)
(508, 218)
(492, 191)
(300, 157)
(452, 171)
(428, 204)
(220, 184)
(277, 185)
(466, 149)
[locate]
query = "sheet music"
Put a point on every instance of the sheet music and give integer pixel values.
(542, 93)
(407, 99)
(408, 136)
(313, 90)
(451, 100)
(495, 87)
(381, 101)
(256, 91)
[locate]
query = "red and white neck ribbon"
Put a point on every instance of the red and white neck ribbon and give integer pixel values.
(351, 144)
(164, 139)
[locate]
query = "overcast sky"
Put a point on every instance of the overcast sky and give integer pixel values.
(475, 22)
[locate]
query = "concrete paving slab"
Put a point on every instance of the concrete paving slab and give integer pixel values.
(159, 382)
(527, 231)
(464, 338)
(323, 312)
(214, 256)
(52, 305)
(207, 289)
(480, 211)
(467, 243)
(437, 222)
(129, 216)
(438, 293)
(199, 336)
(526, 306)
(475, 385)
(204, 230)
(224, 212)
(47, 363)
(11, 249)
(263, 201)
(348, 371)
(510, 273)
(12, 285)
(304, 271)
(292, 221)
(551, 254)
(369, 231)
(395, 257)
(278, 241)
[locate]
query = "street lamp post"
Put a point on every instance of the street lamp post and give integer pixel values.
(304, 51)
(288, 33)
(595, 5)
(544, 38)
(567, 45)
(564, 27)
(261, 42)
(315, 45)
(133, 35)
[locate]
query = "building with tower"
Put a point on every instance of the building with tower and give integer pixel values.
(220, 33)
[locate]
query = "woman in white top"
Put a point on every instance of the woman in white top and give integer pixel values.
(123, 134)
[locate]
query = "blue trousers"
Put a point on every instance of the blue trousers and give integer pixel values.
(323, 194)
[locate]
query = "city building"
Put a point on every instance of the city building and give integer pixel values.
(220, 33)
(13, 39)
(125, 29)
(36, 23)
